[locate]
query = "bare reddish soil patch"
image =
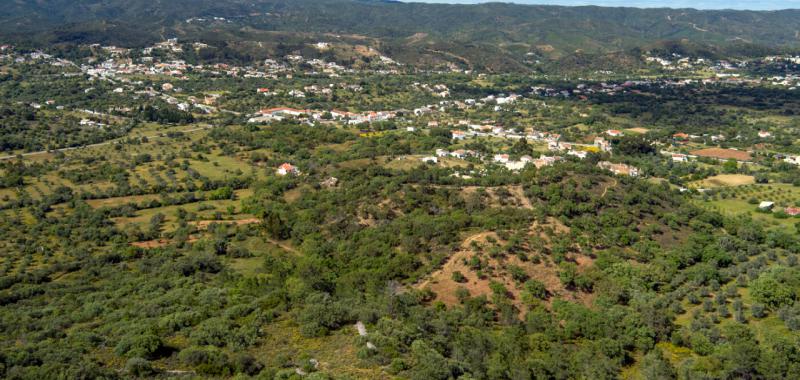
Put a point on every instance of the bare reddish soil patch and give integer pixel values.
(501, 196)
(497, 269)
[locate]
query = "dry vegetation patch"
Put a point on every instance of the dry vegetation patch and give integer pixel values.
(724, 180)
(501, 196)
(203, 224)
(723, 154)
(480, 261)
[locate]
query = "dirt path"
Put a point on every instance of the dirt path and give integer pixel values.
(519, 193)
(282, 245)
(203, 224)
(608, 187)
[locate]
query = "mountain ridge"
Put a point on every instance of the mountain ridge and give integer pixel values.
(513, 31)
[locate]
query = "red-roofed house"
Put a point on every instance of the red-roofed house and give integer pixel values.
(680, 136)
(614, 133)
(287, 169)
(459, 135)
(677, 157)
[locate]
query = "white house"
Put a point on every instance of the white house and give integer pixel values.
(515, 165)
(502, 158)
(794, 160)
(578, 153)
(680, 158)
(766, 205)
(602, 144)
(460, 153)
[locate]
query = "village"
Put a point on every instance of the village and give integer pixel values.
(160, 73)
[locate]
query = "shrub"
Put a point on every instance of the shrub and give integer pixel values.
(320, 314)
(536, 289)
(462, 294)
(206, 360)
(517, 273)
(771, 292)
(139, 367)
(247, 364)
(146, 345)
(213, 331)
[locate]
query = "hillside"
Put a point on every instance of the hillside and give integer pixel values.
(499, 36)
(169, 215)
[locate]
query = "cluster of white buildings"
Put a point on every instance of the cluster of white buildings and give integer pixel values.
(92, 123)
(584, 89)
(438, 90)
(515, 165)
(120, 62)
(619, 169)
(676, 62)
(458, 153)
(501, 159)
(481, 130)
(351, 118)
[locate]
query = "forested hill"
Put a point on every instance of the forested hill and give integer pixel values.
(506, 30)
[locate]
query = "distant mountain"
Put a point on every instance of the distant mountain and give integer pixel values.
(499, 36)
(675, 4)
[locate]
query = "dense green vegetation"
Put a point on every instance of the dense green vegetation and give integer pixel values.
(160, 221)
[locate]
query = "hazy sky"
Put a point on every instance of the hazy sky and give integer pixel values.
(698, 4)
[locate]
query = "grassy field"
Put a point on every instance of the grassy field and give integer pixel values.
(638, 130)
(723, 180)
(336, 353)
(204, 210)
(737, 201)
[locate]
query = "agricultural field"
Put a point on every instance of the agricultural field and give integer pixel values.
(743, 200)
(724, 180)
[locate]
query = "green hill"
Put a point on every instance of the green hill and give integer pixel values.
(491, 35)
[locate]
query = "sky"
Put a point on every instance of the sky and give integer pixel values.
(697, 4)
